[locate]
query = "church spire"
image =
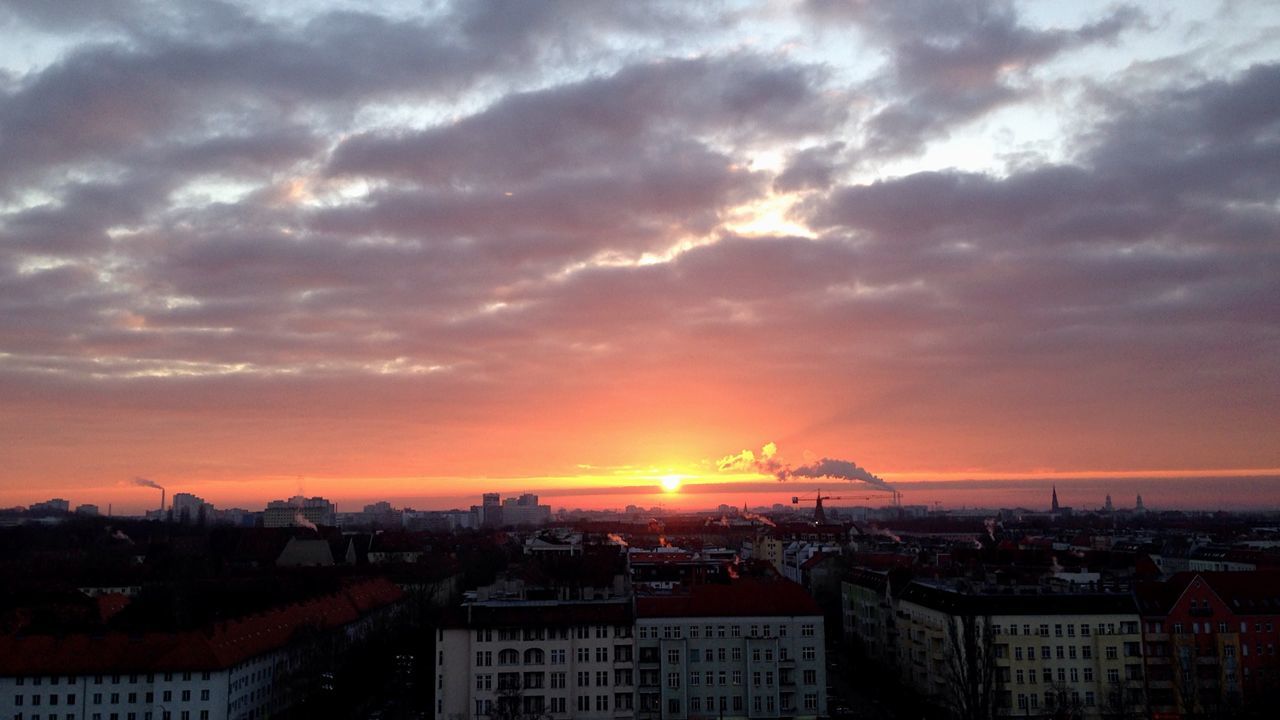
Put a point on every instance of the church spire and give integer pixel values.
(1055, 497)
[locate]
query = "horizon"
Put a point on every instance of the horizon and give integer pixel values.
(1234, 493)
(413, 251)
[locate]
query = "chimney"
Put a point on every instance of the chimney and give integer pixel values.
(161, 504)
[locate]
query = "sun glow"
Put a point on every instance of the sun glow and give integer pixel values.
(671, 483)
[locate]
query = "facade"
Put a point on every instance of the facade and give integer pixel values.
(1210, 640)
(747, 649)
(750, 649)
(244, 669)
(299, 511)
(562, 659)
(1042, 655)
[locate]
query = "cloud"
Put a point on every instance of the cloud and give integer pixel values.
(954, 61)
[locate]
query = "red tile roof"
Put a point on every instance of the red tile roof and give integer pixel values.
(221, 646)
(748, 597)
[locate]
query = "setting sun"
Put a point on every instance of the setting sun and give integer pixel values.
(671, 483)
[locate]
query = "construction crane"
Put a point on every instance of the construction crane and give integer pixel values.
(820, 517)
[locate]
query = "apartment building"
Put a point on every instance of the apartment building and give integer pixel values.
(751, 648)
(245, 669)
(562, 658)
(1210, 640)
(1045, 653)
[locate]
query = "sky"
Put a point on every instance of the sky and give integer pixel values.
(421, 250)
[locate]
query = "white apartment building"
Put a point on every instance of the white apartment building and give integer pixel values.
(747, 649)
(244, 669)
(565, 659)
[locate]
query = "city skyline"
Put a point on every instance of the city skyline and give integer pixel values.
(258, 250)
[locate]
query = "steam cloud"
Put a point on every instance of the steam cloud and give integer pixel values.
(301, 521)
(144, 482)
(770, 464)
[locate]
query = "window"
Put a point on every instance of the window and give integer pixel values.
(1020, 678)
(1113, 675)
(810, 701)
(737, 654)
(602, 678)
(737, 677)
(808, 653)
(673, 680)
(1071, 630)
(204, 695)
(558, 679)
(1057, 630)
(1017, 653)
(584, 703)
(1044, 652)
(1061, 652)
(602, 654)
(694, 679)
(807, 630)
(673, 706)
(483, 659)
(736, 630)
(810, 677)
(1084, 630)
(1086, 652)
(1071, 651)
(673, 656)
(584, 655)
(1112, 653)
(484, 682)
(1044, 630)
(1088, 674)
(558, 656)
(584, 678)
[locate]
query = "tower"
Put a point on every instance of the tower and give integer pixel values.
(819, 517)
(1109, 506)
(1139, 506)
(1055, 498)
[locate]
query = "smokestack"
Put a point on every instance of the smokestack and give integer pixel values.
(162, 503)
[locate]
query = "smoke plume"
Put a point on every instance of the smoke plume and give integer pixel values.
(769, 463)
(144, 482)
(301, 521)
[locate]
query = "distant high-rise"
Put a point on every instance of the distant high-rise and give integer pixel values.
(1138, 506)
(1109, 506)
(299, 511)
(1055, 499)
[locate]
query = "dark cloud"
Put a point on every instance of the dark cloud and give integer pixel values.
(598, 122)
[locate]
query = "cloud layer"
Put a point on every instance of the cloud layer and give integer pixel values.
(483, 240)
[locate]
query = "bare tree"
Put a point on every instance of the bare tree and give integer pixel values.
(971, 667)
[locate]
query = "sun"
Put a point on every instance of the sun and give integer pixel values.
(670, 483)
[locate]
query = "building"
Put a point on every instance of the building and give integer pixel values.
(299, 511)
(1210, 640)
(506, 653)
(752, 648)
(187, 508)
(56, 505)
(1041, 654)
(252, 667)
